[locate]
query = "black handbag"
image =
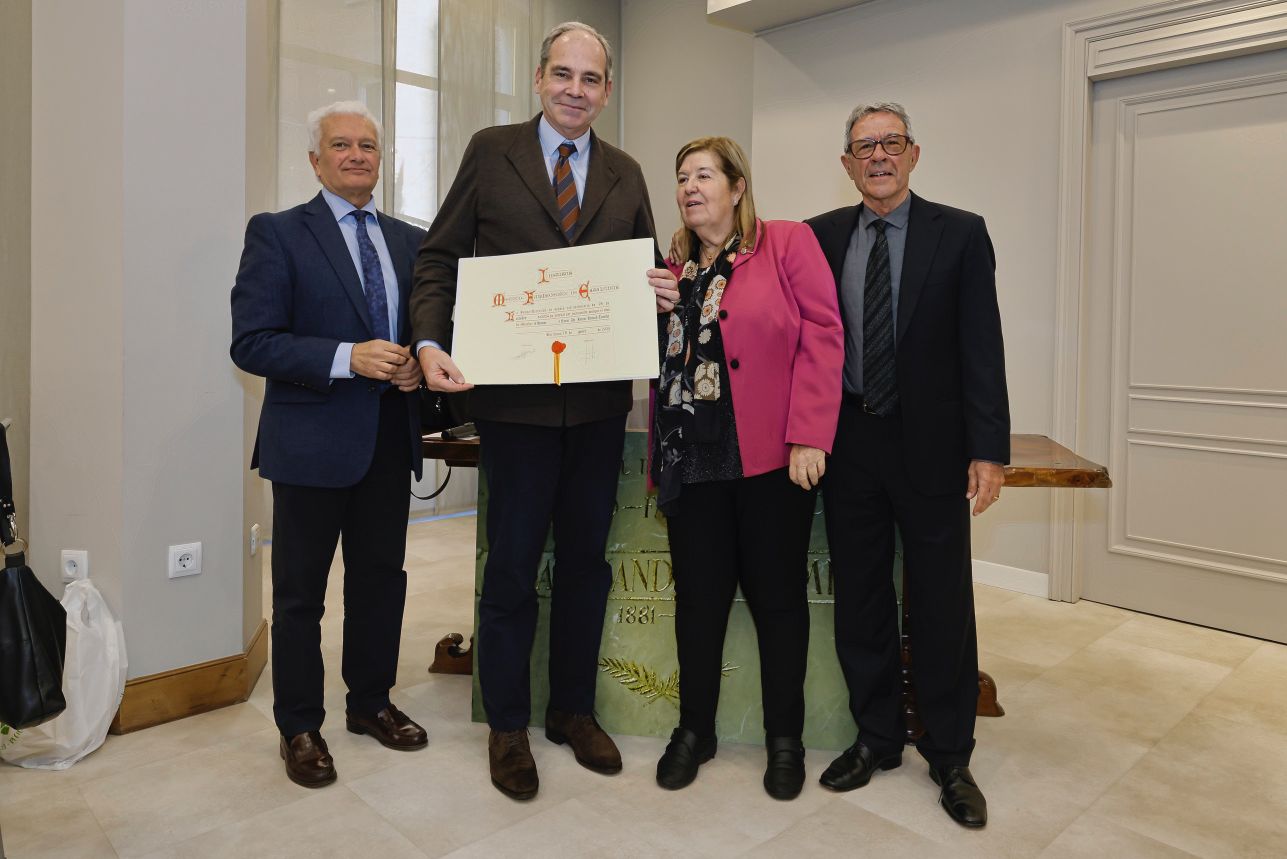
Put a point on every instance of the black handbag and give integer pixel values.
(33, 626)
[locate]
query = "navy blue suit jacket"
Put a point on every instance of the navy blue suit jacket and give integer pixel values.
(297, 297)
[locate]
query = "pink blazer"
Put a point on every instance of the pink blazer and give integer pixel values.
(784, 344)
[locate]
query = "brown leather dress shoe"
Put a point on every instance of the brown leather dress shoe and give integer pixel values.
(513, 770)
(592, 746)
(391, 726)
(308, 761)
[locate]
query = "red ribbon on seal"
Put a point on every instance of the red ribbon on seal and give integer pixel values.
(557, 348)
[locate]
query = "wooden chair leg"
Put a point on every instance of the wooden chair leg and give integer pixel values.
(450, 658)
(988, 704)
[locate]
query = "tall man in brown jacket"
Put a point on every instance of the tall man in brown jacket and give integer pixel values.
(551, 454)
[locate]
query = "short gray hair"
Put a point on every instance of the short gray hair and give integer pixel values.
(568, 27)
(340, 108)
(864, 110)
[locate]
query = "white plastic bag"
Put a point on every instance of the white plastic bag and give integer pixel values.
(93, 682)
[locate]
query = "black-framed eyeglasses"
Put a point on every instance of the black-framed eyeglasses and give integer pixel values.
(893, 144)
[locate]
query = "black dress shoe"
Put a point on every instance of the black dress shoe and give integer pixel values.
(392, 727)
(854, 768)
(684, 754)
(784, 776)
(308, 761)
(960, 796)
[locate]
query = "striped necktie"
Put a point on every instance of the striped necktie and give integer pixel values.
(879, 383)
(565, 190)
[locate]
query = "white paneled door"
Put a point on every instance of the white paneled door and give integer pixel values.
(1184, 345)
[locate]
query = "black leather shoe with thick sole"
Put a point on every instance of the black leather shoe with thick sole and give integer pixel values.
(684, 754)
(784, 776)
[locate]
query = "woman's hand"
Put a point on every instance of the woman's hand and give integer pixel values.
(808, 464)
(672, 255)
(663, 282)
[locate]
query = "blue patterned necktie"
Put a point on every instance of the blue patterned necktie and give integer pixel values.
(565, 190)
(879, 384)
(377, 301)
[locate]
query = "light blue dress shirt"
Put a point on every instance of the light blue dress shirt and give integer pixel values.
(579, 161)
(343, 211)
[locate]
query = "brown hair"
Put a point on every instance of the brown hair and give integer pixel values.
(734, 164)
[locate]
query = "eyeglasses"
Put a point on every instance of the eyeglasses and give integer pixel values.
(893, 144)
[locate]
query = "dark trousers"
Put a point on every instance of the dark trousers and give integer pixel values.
(538, 476)
(307, 522)
(866, 493)
(754, 532)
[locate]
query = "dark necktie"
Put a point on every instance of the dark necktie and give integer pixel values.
(377, 300)
(879, 383)
(565, 190)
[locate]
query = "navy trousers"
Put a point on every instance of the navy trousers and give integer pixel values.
(307, 523)
(538, 477)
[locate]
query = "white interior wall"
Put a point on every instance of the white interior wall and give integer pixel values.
(683, 78)
(981, 81)
(15, 245)
(136, 228)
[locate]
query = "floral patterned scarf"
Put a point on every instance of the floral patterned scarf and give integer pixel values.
(689, 391)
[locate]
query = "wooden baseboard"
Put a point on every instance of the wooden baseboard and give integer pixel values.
(193, 689)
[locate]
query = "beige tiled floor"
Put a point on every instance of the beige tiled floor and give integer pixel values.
(1125, 735)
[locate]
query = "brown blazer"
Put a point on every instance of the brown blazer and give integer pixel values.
(502, 202)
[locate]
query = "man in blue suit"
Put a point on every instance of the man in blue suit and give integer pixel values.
(319, 309)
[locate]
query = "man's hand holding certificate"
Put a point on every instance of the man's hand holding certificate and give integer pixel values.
(578, 314)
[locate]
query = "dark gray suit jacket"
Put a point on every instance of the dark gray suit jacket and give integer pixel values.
(949, 353)
(502, 202)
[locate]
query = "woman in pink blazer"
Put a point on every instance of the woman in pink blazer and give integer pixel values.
(745, 414)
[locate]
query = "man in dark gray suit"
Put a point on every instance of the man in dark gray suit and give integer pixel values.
(924, 429)
(551, 454)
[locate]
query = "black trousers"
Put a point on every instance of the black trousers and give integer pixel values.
(537, 477)
(866, 493)
(307, 522)
(754, 532)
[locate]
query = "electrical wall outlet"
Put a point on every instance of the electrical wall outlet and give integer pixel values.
(185, 560)
(254, 540)
(75, 564)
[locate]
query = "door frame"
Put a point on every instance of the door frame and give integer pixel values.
(1148, 38)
